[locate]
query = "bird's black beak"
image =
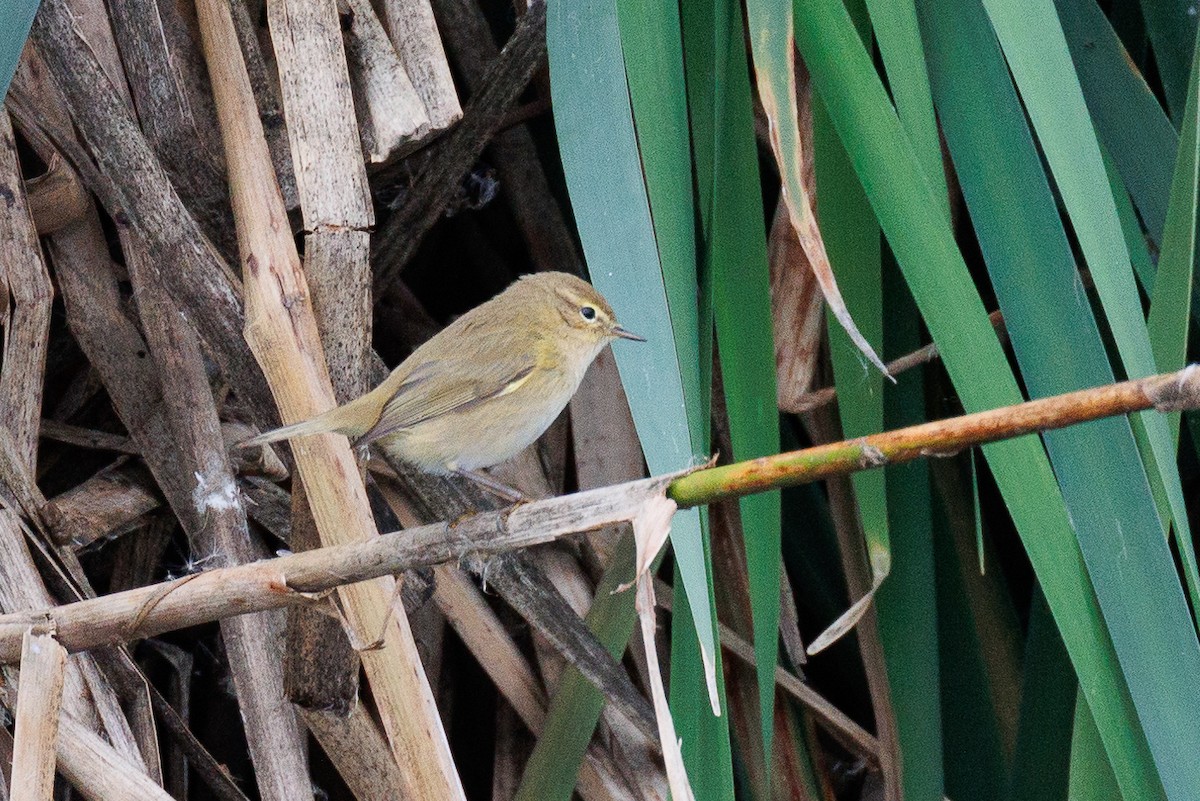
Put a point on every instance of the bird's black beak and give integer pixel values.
(618, 331)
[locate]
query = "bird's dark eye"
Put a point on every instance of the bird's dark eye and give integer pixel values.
(588, 313)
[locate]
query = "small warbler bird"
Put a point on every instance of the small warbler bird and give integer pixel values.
(484, 387)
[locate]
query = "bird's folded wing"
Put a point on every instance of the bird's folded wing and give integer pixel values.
(437, 388)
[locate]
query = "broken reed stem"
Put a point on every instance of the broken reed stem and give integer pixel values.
(309, 575)
(302, 577)
(39, 701)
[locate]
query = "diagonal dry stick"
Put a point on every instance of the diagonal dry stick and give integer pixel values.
(282, 333)
(300, 578)
(398, 238)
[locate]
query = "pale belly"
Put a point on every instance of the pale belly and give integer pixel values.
(483, 435)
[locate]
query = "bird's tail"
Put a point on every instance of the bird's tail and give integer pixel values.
(352, 419)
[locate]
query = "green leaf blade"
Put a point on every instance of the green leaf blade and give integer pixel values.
(907, 209)
(16, 18)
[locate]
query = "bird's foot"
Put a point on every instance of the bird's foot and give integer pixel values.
(498, 488)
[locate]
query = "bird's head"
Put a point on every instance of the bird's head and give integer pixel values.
(579, 311)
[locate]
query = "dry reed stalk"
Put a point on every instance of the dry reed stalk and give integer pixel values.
(273, 583)
(133, 186)
(414, 33)
(789, 623)
(508, 755)
(265, 84)
(485, 636)
(322, 668)
(94, 24)
(113, 501)
(79, 436)
(137, 744)
(119, 666)
(397, 240)
(26, 334)
(96, 770)
(360, 752)
(6, 754)
(391, 115)
(56, 197)
(26, 320)
(159, 48)
(315, 87)
(523, 183)
(797, 314)
(87, 698)
(175, 424)
(39, 701)
(482, 631)
(215, 521)
(282, 332)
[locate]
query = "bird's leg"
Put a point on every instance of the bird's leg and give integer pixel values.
(498, 488)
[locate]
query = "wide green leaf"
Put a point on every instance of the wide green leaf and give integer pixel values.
(1092, 777)
(16, 17)
(1172, 301)
(735, 259)
(899, 38)
(1036, 52)
(1128, 118)
(640, 261)
(1171, 25)
(1171, 298)
(907, 209)
(654, 67)
(604, 175)
(1034, 275)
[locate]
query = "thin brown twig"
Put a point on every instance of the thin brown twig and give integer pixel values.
(85, 437)
(923, 355)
